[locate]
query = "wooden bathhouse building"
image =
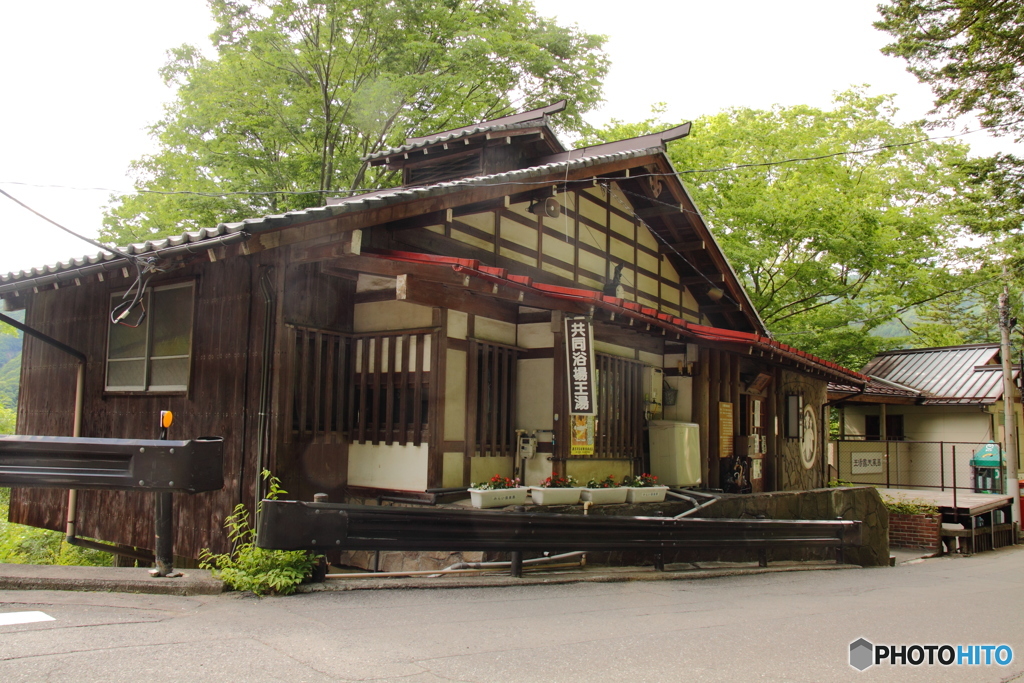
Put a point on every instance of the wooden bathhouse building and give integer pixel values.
(399, 342)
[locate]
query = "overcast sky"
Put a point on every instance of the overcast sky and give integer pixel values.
(80, 85)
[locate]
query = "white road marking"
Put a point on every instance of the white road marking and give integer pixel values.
(11, 618)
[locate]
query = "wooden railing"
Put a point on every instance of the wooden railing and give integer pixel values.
(366, 388)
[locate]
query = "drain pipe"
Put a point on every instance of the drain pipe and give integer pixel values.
(696, 505)
(263, 420)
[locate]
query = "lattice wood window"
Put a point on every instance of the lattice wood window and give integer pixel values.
(369, 388)
(491, 398)
(620, 408)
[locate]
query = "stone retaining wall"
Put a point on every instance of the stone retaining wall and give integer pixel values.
(850, 503)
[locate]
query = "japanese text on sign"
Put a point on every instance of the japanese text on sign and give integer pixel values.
(867, 463)
(579, 346)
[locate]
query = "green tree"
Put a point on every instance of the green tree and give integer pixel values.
(835, 245)
(300, 90)
(971, 52)
(7, 419)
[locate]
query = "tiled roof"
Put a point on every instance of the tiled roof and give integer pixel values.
(210, 237)
(524, 119)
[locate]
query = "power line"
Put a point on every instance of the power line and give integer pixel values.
(104, 247)
(720, 169)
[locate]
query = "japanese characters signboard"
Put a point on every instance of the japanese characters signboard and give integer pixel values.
(868, 463)
(579, 348)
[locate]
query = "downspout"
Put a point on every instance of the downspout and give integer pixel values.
(266, 364)
(72, 513)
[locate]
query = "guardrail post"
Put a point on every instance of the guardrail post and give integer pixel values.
(319, 574)
(517, 564)
(163, 514)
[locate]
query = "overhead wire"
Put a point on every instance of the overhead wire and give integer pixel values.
(720, 169)
(119, 313)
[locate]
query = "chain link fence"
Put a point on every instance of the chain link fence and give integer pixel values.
(937, 465)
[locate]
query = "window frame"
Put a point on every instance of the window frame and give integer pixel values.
(147, 388)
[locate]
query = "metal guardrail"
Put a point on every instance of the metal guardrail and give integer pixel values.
(300, 525)
(120, 464)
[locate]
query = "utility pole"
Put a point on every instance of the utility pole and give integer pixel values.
(1009, 405)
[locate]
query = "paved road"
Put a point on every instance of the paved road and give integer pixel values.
(776, 627)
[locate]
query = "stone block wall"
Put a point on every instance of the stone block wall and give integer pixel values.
(916, 531)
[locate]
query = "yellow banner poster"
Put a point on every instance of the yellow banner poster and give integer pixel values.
(581, 440)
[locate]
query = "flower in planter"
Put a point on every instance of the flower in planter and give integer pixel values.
(558, 482)
(641, 481)
(606, 483)
(496, 482)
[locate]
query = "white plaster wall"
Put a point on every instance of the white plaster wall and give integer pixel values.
(458, 322)
(927, 458)
(390, 467)
(535, 394)
(451, 470)
(929, 423)
(682, 411)
(381, 316)
(488, 329)
(535, 336)
(455, 396)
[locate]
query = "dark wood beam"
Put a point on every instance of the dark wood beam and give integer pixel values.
(460, 299)
(727, 307)
(684, 247)
(712, 278)
(657, 210)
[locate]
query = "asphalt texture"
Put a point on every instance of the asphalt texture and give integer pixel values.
(775, 626)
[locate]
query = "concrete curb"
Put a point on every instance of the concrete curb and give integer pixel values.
(554, 578)
(106, 579)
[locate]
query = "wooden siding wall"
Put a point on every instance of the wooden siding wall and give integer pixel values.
(216, 403)
(595, 232)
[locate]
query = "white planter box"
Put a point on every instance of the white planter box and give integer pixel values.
(498, 498)
(605, 496)
(646, 494)
(543, 496)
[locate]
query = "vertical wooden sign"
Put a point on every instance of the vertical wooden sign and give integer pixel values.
(725, 427)
(579, 349)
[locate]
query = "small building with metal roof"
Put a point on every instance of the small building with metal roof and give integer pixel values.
(924, 402)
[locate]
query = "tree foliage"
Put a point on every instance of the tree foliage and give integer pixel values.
(971, 52)
(299, 90)
(833, 245)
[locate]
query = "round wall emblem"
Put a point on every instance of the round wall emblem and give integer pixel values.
(809, 440)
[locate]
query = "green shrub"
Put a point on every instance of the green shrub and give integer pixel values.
(21, 544)
(902, 506)
(248, 567)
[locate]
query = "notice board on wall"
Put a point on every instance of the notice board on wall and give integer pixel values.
(725, 430)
